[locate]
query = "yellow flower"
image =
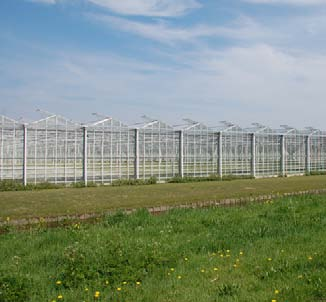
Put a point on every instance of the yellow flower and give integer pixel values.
(119, 289)
(106, 282)
(227, 255)
(234, 265)
(228, 251)
(172, 269)
(86, 289)
(186, 259)
(124, 282)
(238, 260)
(60, 297)
(97, 294)
(58, 282)
(274, 300)
(276, 291)
(269, 259)
(202, 270)
(179, 277)
(241, 253)
(8, 219)
(300, 277)
(138, 282)
(221, 255)
(215, 269)
(310, 258)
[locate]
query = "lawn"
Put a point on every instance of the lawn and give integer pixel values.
(22, 204)
(274, 251)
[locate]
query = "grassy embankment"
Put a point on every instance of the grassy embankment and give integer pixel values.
(260, 252)
(41, 203)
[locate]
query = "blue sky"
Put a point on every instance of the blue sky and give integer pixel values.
(238, 60)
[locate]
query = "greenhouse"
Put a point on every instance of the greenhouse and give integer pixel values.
(57, 150)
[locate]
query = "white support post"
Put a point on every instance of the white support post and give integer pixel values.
(85, 155)
(181, 171)
(220, 155)
(308, 155)
(282, 158)
(253, 155)
(136, 154)
(25, 155)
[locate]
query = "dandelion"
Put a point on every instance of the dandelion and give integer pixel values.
(179, 277)
(172, 269)
(300, 277)
(106, 282)
(169, 274)
(119, 289)
(241, 253)
(276, 291)
(269, 259)
(234, 265)
(309, 258)
(215, 269)
(60, 297)
(238, 260)
(202, 270)
(227, 255)
(274, 300)
(58, 282)
(138, 283)
(228, 251)
(221, 255)
(8, 219)
(86, 289)
(97, 295)
(186, 259)
(124, 282)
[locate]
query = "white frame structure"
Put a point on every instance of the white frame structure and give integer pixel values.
(58, 150)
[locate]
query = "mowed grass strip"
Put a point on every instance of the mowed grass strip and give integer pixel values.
(69, 201)
(261, 252)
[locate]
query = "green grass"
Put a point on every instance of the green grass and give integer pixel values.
(175, 256)
(68, 201)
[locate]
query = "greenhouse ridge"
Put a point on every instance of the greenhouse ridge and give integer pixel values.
(56, 149)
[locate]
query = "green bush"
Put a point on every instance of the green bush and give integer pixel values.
(134, 182)
(13, 185)
(82, 184)
(213, 177)
(13, 289)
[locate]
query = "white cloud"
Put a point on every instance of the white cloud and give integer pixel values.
(44, 1)
(288, 2)
(242, 84)
(157, 8)
(242, 29)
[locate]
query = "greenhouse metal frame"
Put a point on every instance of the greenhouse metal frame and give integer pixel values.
(57, 150)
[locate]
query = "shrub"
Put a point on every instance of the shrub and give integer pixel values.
(13, 289)
(134, 182)
(213, 177)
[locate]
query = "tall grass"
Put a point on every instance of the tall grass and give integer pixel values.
(259, 252)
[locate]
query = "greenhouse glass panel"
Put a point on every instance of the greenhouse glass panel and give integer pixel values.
(158, 151)
(11, 149)
(200, 151)
(54, 151)
(111, 151)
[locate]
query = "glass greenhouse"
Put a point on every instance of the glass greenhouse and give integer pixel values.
(58, 150)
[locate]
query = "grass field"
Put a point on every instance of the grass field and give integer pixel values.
(274, 251)
(56, 202)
